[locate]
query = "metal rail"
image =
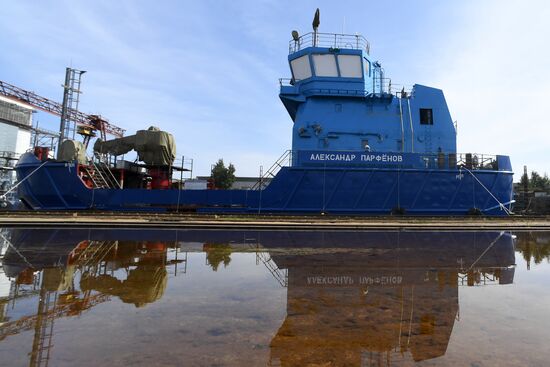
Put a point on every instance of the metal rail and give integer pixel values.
(284, 160)
(378, 87)
(329, 40)
(106, 175)
(95, 122)
(28, 322)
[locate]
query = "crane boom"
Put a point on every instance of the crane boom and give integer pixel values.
(94, 122)
(28, 322)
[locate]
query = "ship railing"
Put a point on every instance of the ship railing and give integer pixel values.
(182, 169)
(281, 275)
(287, 82)
(386, 85)
(471, 161)
(480, 277)
(111, 179)
(329, 40)
(476, 161)
(380, 85)
(377, 86)
(265, 179)
(102, 175)
(431, 161)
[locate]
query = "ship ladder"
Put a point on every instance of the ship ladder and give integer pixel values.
(94, 253)
(42, 344)
(280, 275)
(107, 175)
(97, 179)
(100, 177)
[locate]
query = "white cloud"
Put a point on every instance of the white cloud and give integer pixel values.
(178, 69)
(494, 72)
(208, 73)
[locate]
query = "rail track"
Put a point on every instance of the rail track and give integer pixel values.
(104, 219)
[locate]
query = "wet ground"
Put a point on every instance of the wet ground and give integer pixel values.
(80, 297)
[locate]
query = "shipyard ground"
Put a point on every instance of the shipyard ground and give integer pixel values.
(309, 222)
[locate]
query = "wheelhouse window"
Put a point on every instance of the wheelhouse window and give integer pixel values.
(301, 69)
(325, 65)
(426, 116)
(350, 66)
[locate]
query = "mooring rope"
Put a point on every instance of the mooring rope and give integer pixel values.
(501, 205)
(93, 197)
(3, 196)
(484, 252)
(16, 250)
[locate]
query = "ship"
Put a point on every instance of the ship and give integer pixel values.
(360, 146)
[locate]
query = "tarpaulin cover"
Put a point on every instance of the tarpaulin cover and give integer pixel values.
(154, 147)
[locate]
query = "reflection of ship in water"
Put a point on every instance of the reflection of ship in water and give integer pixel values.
(352, 297)
(94, 264)
(70, 277)
(378, 304)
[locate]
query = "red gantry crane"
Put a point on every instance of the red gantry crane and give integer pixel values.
(87, 125)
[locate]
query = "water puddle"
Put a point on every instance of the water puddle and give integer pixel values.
(80, 297)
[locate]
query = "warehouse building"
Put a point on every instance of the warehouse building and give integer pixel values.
(15, 138)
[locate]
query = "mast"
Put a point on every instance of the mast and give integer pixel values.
(315, 24)
(71, 96)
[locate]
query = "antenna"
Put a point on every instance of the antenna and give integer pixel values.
(344, 26)
(315, 24)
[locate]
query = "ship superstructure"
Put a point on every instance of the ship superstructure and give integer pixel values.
(340, 100)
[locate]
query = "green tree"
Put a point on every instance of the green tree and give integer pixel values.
(524, 180)
(223, 176)
(217, 254)
(534, 246)
(539, 182)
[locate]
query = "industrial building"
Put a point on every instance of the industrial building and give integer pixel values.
(240, 183)
(15, 137)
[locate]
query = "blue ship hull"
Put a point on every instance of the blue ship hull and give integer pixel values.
(294, 190)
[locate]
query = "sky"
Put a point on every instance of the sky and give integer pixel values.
(207, 71)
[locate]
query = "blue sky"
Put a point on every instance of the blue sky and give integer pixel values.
(207, 71)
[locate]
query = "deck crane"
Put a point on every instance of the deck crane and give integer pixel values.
(88, 125)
